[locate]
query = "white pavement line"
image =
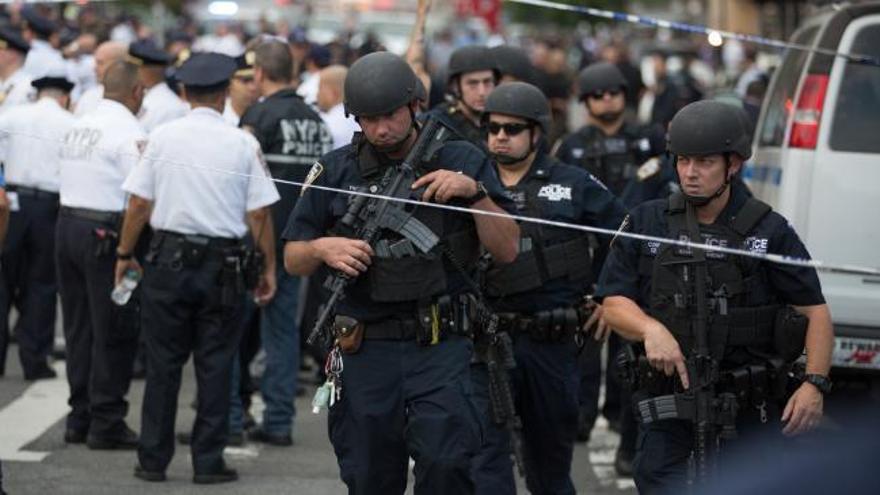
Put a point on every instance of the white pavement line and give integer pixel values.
(26, 418)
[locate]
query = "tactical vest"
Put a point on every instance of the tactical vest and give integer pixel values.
(399, 272)
(462, 126)
(742, 311)
(613, 159)
(546, 253)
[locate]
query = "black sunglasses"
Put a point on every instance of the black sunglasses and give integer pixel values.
(598, 95)
(510, 129)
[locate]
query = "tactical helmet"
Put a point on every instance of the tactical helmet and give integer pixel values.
(519, 99)
(377, 84)
(514, 62)
(602, 76)
(471, 58)
(708, 128)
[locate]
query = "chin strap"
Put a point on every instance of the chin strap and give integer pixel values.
(510, 160)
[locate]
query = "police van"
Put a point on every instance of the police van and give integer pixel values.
(817, 161)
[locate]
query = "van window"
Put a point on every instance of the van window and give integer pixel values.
(857, 114)
(781, 99)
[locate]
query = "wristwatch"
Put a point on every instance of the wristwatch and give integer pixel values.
(482, 192)
(123, 256)
(822, 382)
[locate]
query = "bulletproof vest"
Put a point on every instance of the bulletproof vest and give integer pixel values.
(741, 309)
(400, 272)
(463, 127)
(613, 159)
(545, 253)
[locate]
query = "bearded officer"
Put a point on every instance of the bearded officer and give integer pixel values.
(200, 197)
(539, 296)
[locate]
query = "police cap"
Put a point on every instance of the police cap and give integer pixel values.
(56, 82)
(37, 23)
(601, 76)
(245, 64)
(145, 52)
(513, 61)
(707, 128)
(519, 99)
(9, 38)
(377, 84)
(206, 70)
(471, 58)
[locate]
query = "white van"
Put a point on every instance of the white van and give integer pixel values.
(817, 161)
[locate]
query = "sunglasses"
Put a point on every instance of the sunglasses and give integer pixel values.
(510, 129)
(598, 95)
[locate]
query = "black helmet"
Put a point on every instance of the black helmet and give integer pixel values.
(513, 61)
(377, 84)
(471, 58)
(706, 128)
(519, 99)
(601, 76)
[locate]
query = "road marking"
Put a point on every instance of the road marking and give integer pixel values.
(26, 418)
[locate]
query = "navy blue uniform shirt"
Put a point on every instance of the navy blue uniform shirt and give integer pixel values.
(567, 194)
(319, 210)
(793, 285)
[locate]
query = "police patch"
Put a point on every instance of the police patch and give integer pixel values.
(648, 169)
(314, 172)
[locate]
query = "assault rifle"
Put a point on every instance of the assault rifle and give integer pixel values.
(368, 215)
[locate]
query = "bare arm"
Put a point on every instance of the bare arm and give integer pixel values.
(263, 232)
(820, 338)
(415, 53)
(500, 236)
(136, 217)
(350, 256)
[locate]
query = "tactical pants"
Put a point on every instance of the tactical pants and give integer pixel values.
(492, 466)
(402, 400)
(183, 313)
(100, 346)
(591, 379)
(29, 281)
(664, 449)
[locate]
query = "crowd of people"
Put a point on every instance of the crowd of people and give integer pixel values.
(129, 160)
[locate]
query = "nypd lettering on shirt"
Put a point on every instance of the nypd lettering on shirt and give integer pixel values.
(555, 192)
(305, 138)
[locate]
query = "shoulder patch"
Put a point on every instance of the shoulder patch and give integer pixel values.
(314, 172)
(648, 169)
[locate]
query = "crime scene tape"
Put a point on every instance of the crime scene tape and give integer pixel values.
(694, 28)
(770, 257)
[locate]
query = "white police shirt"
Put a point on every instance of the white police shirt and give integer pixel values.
(42, 59)
(161, 105)
(16, 90)
(30, 140)
(98, 154)
(89, 100)
(229, 114)
(202, 175)
(342, 128)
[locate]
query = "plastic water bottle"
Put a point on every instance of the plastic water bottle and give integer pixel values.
(122, 292)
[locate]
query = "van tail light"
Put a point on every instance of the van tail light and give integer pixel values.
(808, 112)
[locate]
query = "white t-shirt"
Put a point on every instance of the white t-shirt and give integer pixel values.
(31, 136)
(203, 176)
(98, 154)
(342, 128)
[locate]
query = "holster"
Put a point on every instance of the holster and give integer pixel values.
(790, 334)
(440, 318)
(232, 278)
(105, 241)
(349, 333)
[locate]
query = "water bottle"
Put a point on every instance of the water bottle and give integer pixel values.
(122, 292)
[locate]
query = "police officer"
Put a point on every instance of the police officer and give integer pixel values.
(650, 296)
(619, 154)
(15, 83)
(42, 35)
(30, 138)
(106, 54)
(471, 76)
(243, 91)
(406, 388)
(98, 153)
(539, 296)
(193, 287)
(292, 137)
(160, 103)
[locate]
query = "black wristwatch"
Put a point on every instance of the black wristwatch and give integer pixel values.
(482, 192)
(822, 382)
(124, 256)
